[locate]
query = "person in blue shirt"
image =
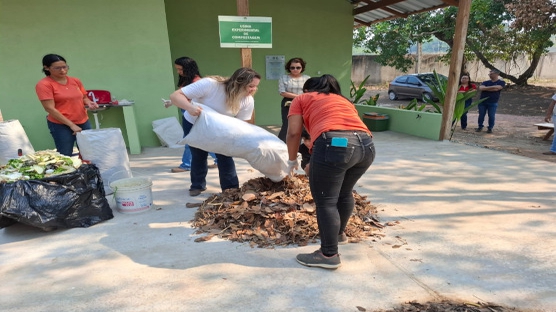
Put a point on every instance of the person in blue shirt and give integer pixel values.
(490, 90)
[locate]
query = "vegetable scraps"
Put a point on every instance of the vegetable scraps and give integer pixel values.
(39, 165)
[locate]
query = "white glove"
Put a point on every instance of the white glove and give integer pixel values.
(167, 103)
(292, 166)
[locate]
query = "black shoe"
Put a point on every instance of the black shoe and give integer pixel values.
(342, 239)
(317, 259)
(478, 129)
(196, 192)
(489, 131)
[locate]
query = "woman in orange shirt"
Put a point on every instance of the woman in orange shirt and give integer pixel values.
(65, 99)
(342, 151)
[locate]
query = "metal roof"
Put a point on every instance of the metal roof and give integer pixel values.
(367, 12)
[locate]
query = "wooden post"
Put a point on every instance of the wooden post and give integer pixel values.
(456, 60)
(419, 57)
(243, 10)
(246, 57)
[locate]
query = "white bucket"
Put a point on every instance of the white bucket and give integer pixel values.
(133, 195)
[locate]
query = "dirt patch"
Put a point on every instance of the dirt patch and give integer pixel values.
(514, 132)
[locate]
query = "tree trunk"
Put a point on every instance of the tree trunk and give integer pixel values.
(521, 80)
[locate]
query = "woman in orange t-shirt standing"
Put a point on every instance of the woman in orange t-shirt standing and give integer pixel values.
(342, 151)
(64, 98)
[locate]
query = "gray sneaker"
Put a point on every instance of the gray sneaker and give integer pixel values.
(317, 259)
(342, 239)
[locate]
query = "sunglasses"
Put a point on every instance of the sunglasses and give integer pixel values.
(58, 68)
(295, 67)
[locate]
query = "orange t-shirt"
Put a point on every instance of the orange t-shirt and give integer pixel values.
(68, 98)
(322, 113)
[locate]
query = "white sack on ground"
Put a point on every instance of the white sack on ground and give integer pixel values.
(12, 138)
(169, 132)
(106, 149)
(236, 138)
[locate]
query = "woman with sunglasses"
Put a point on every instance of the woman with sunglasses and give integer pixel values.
(290, 86)
(64, 99)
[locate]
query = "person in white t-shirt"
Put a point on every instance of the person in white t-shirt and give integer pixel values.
(551, 113)
(290, 86)
(231, 96)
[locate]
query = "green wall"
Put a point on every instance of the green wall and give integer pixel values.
(319, 31)
(416, 123)
(121, 46)
(128, 48)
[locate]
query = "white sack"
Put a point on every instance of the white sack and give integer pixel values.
(12, 138)
(106, 149)
(232, 137)
(169, 132)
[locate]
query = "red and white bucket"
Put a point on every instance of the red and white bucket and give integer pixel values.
(133, 195)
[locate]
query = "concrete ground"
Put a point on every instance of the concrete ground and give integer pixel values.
(475, 225)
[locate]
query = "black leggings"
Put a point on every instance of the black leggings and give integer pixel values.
(285, 110)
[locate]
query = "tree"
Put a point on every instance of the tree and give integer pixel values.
(392, 40)
(498, 30)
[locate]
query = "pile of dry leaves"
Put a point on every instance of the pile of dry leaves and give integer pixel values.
(268, 214)
(447, 306)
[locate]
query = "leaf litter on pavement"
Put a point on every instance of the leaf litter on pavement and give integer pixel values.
(266, 214)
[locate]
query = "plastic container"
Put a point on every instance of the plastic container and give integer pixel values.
(376, 122)
(133, 195)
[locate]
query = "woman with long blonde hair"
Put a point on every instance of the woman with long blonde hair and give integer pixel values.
(231, 96)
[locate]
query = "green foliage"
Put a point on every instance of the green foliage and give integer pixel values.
(371, 101)
(391, 40)
(460, 108)
(439, 87)
(357, 92)
(414, 105)
(490, 37)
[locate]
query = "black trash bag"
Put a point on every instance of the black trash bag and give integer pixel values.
(75, 199)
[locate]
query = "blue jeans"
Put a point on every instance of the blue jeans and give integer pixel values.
(553, 147)
(489, 108)
(199, 167)
(186, 157)
(334, 171)
(63, 136)
(464, 116)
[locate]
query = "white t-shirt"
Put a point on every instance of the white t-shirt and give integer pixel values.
(212, 93)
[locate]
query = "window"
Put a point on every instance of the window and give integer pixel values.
(413, 81)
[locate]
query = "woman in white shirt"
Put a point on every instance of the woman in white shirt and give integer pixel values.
(290, 86)
(229, 96)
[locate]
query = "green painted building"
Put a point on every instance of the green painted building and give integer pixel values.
(128, 48)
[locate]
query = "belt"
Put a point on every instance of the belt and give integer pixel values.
(354, 132)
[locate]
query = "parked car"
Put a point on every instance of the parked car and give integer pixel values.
(413, 86)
